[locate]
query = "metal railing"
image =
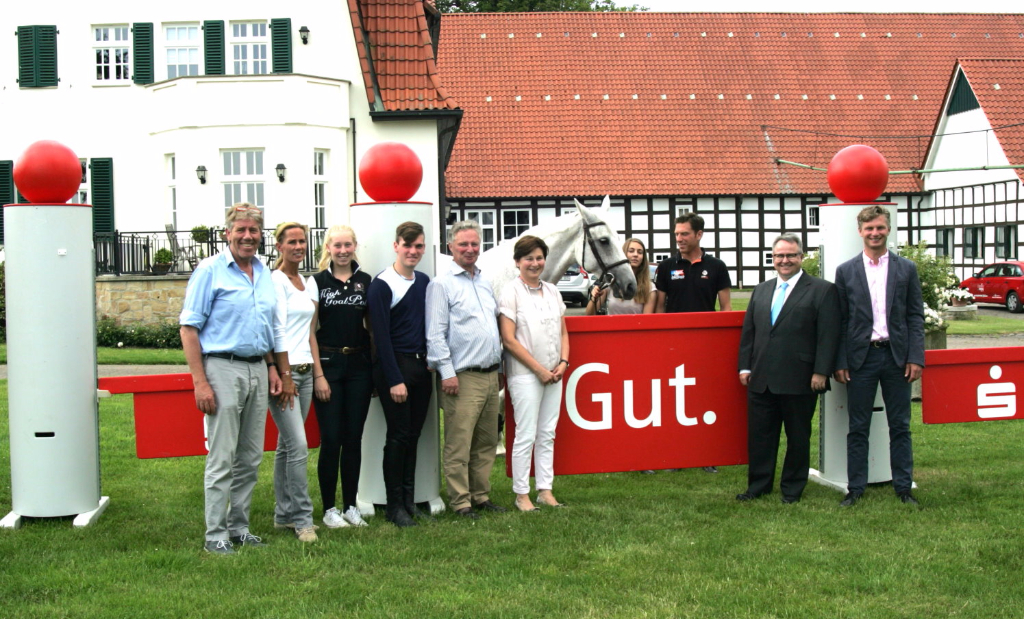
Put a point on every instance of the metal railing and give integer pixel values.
(133, 253)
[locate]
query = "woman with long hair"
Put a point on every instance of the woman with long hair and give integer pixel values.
(643, 302)
(532, 326)
(342, 373)
(293, 320)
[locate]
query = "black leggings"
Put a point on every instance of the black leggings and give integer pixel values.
(341, 422)
(405, 422)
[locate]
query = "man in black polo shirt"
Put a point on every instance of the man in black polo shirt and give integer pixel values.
(693, 279)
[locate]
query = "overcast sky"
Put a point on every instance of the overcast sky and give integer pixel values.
(818, 6)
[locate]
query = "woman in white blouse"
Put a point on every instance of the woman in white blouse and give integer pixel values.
(293, 319)
(643, 302)
(536, 357)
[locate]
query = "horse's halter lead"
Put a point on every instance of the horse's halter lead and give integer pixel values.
(605, 268)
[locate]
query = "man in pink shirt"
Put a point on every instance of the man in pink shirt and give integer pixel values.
(881, 343)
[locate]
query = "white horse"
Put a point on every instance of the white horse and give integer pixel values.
(583, 237)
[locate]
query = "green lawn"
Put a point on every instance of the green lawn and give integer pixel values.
(629, 545)
(128, 356)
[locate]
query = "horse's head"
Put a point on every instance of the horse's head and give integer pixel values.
(600, 250)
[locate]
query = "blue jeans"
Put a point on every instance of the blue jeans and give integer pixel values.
(879, 369)
(291, 488)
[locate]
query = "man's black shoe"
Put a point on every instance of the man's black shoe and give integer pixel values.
(850, 499)
(790, 499)
(468, 513)
(906, 497)
(488, 506)
(746, 496)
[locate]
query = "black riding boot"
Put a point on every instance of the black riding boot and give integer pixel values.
(409, 488)
(395, 511)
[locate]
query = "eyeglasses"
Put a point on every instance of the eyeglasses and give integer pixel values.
(786, 256)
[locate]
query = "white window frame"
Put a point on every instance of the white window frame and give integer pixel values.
(172, 188)
(320, 161)
(974, 242)
(480, 216)
(243, 176)
(1006, 241)
(82, 195)
(248, 45)
(182, 40)
(515, 226)
(944, 242)
(813, 215)
(110, 45)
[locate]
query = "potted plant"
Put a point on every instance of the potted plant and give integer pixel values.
(200, 234)
(163, 260)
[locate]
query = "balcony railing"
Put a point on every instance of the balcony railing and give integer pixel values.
(133, 253)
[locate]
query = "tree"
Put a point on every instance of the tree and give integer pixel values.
(531, 6)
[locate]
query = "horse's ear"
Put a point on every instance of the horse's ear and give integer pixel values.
(606, 204)
(582, 209)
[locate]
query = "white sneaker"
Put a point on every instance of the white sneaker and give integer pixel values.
(333, 519)
(354, 518)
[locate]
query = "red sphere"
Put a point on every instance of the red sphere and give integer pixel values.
(858, 173)
(48, 173)
(390, 172)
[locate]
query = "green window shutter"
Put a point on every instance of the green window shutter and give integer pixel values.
(213, 47)
(281, 44)
(37, 56)
(6, 190)
(102, 183)
(142, 48)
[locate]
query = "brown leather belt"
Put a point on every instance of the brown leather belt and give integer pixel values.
(345, 350)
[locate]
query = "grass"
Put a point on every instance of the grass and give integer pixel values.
(986, 325)
(128, 356)
(629, 545)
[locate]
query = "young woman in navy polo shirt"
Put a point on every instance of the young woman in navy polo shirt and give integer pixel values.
(342, 372)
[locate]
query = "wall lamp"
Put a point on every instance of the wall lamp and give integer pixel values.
(280, 169)
(201, 173)
(304, 35)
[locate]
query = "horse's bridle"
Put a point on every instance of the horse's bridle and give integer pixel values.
(605, 268)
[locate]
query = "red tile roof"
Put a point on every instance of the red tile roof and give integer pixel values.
(998, 84)
(562, 104)
(396, 56)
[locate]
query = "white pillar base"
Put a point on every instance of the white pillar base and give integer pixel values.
(817, 477)
(436, 505)
(11, 521)
(88, 518)
(14, 520)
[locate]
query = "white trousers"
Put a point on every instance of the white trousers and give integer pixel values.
(536, 414)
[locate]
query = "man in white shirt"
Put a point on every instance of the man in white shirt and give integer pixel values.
(464, 347)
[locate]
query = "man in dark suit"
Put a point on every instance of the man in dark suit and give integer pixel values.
(882, 343)
(787, 350)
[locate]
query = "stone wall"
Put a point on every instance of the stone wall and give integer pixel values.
(140, 299)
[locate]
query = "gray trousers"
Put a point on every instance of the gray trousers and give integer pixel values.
(235, 442)
(291, 487)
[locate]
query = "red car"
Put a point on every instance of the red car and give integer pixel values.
(1002, 282)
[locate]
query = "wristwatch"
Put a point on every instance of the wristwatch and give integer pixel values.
(566, 362)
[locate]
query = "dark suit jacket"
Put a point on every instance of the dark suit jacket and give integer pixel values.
(904, 310)
(802, 342)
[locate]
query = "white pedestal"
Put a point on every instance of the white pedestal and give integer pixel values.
(14, 520)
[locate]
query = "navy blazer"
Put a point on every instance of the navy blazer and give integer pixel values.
(803, 341)
(904, 311)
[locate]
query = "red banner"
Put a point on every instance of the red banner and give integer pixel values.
(167, 422)
(971, 384)
(649, 391)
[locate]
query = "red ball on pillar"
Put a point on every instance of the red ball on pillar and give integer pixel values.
(48, 173)
(390, 172)
(858, 173)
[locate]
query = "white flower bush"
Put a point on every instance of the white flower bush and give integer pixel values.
(959, 294)
(933, 320)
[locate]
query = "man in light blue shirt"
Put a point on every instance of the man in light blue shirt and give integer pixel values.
(227, 334)
(464, 347)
